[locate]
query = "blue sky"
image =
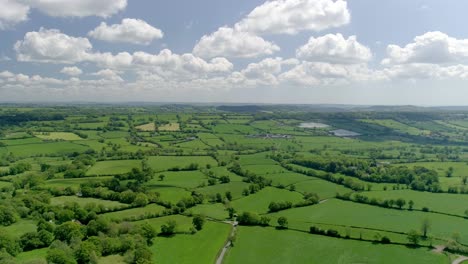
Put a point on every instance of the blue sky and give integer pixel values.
(278, 51)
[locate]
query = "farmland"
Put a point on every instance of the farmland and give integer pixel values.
(175, 184)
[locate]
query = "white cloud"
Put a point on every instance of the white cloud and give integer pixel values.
(50, 45)
(266, 71)
(334, 48)
(108, 74)
(134, 31)
(11, 13)
(231, 43)
(315, 73)
(71, 71)
(432, 47)
(78, 8)
(293, 16)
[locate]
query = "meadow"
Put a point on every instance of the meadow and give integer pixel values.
(176, 184)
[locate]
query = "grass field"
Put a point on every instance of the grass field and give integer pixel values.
(61, 200)
(57, 135)
(113, 167)
(147, 127)
(169, 127)
(134, 213)
(267, 245)
(259, 202)
(201, 247)
(439, 202)
(163, 163)
(338, 212)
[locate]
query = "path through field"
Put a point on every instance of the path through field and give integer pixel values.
(228, 243)
(459, 260)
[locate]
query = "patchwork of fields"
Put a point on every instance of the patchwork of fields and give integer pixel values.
(113, 185)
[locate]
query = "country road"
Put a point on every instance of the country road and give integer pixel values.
(228, 243)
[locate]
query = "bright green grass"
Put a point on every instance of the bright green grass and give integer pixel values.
(33, 255)
(163, 163)
(183, 179)
(171, 194)
(112, 259)
(201, 247)
(113, 167)
(260, 201)
(61, 200)
(184, 223)
(19, 228)
(267, 245)
(223, 171)
(235, 188)
(52, 148)
(256, 159)
(57, 135)
(323, 188)
(210, 139)
(63, 183)
(459, 168)
(360, 215)
(134, 213)
(264, 169)
(5, 184)
(287, 178)
(440, 202)
(215, 211)
(390, 123)
(23, 141)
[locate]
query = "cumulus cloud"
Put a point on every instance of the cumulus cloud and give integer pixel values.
(71, 71)
(108, 74)
(334, 48)
(130, 30)
(233, 43)
(432, 47)
(293, 16)
(321, 73)
(273, 17)
(266, 71)
(50, 45)
(81, 8)
(12, 12)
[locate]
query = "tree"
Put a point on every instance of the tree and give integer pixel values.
(400, 203)
(449, 172)
(168, 228)
(198, 221)
(87, 252)
(228, 195)
(140, 200)
(410, 204)
(161, 177)
(148, 232)
(466, 213)
(413, 237)
(425, 226)
(292, 188)
(232, 212)
(59, 256)
(224, 179)
(8, 216)
(283, 222)
(464, 180)
(264, 221)
(67, 231)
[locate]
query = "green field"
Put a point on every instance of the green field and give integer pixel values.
(205, 166)
(266, 245)
(113, 167)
